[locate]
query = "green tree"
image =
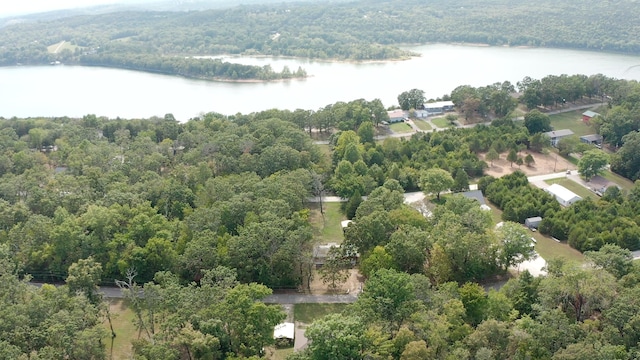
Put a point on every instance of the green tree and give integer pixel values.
(537, 122)
(436, 181)
(412, 99)
(626, 162)
(592, 163)
(337, 336)
(84, 277)
(378, 259)
(612, 258)
(529, 160)
(461, 181)
(512, 156)
(335, 270)
(366, 131)
(515, 245)
(492, 156)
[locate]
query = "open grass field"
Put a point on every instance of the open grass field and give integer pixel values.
(551, 249)
(58, 47)
(122, 320)
(307, 313)
(327, 229)
(573, 186)
(571, 120)
(621, 181)
(546, 246)
(422, 125)
(441, 122)
(400, 128)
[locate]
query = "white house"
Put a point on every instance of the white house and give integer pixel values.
(564, 196)
(285, 332)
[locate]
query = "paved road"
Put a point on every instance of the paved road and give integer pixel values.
(309, 299)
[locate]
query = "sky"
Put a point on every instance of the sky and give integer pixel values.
(19, 7)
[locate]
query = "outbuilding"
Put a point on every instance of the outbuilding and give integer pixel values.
(563, 195)
(588, 115)
(284, 334)
(533, 222)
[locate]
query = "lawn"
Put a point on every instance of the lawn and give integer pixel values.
(122, 320)
(400, 128)
(327, 229)
(571, 120)
(422, 125)
(61, 46)
(307, 313)
(441, 122)
(621, 181)
(575, 187)
(546, 246)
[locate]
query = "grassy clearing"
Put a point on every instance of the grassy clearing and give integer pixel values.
(422, 125)
(400, 128)
(573, 186)
(122, 320)
(328, 229)
(58, 47)
(307, 313)
(441, 122)
(551, 249)
(545, 246)
(571, 120)
(621, 181)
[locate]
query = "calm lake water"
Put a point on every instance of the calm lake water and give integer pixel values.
(77, 91)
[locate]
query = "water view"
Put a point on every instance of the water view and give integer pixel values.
(76, 91)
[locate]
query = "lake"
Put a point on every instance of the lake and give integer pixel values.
(76, 91)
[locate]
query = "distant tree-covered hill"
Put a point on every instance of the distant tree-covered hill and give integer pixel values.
(362, 30)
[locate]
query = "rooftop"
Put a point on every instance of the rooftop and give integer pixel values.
(475, 194)
(559, 133)
(561, 192)
(284, 331)
(590, 113)
(438, 104)
(592, 138)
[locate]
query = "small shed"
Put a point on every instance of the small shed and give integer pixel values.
(284, 334)
(345, 223)
(594, 139)
(533, 222)
(563, 195)
(588, 115)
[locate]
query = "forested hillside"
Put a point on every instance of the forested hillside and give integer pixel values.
(362, 30)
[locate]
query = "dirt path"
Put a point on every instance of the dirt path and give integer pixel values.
(59, 46)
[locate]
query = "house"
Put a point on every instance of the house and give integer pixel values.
(599, 184)
(397, 116)
(438, 107)
(556, 135)
(477, 195)
(284, 334)
(563, 195)
(588, 115)
(321, 253)
(593, 139)
(533, 222)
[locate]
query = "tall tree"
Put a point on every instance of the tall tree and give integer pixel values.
(436, 181)
(412, 99)
(592, 163)
(537, 122)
